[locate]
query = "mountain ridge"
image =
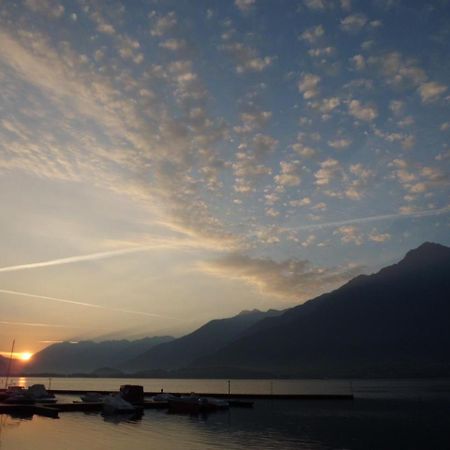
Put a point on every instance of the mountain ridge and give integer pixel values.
(378, 333)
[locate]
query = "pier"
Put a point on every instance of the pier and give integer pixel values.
(342, 396)
(236, 400)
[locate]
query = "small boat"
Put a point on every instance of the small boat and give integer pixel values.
(194, 404)
(163, 397)
(40, 394)
(115, 404)
(18, 395)
(92, 397)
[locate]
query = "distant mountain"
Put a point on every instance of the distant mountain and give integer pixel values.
(15, 367)
(204, 341)
(87, 356)
(3, 365)
(393, 323)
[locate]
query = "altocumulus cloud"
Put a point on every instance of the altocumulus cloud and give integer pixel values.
(289, 279)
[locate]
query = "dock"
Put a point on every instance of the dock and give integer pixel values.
(236, 400)
(345, 396)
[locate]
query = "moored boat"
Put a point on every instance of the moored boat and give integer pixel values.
(40, 394)
(18, 395)
(115, 404)
(195, 404)
(92, 397)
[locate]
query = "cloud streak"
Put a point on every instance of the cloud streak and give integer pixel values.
(381, 217)
(156, 244)
(88, 305)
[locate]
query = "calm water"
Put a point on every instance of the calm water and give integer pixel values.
(386, 414)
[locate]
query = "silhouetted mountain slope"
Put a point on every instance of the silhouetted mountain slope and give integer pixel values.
(205, 340)
(395, 322)
(3, 365)
(86, 356)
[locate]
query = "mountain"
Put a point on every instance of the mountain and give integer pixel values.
(203, 341)
(392, 323)
(3, 365)
(87, 356)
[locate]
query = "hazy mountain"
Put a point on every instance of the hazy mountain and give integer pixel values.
(203, 341)
(395, 322)
(86, 356)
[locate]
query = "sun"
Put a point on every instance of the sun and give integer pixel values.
(25, 356)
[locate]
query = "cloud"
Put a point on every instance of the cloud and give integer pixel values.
(291, 279)
(377, 218)
(247, 169)
(164, 24)
(156, 244)
(346, 5)
(301, 202)
(327, 105)
(358, 62)
(399, 70)
(313, 34)
(245, 5)
(374, 236)
(431, 91)
(321, 52)
(51, 8)
(340, 143)
(263, 144)
(367, 112)
(329, 169)
(252, 121)
(83, 304)
(350, 234)
(33, 324)
(303, 150)
(358, 179)
(353, 22)
(247, 58)
(308, 85)
(173, 44)
(288, 175)
(315, 4)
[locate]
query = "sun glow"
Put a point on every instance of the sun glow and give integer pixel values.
(25, 356)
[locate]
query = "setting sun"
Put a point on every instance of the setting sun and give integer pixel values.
(25, 356)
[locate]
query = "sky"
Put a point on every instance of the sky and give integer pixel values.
(164, 163)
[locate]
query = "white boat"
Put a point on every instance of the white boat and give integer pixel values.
(115, 404)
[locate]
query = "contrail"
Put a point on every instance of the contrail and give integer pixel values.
(417, 214)
(89, 305)
(35, 324)
(79, 258)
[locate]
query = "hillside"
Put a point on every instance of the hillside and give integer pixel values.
(203, 341)
(87, 356)
(392, 323)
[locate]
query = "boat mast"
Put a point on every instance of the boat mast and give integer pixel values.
(9, 363)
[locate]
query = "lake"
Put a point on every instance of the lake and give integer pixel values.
(386, 414)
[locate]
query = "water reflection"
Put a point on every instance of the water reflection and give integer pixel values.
(132, 417)
(353, 425)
